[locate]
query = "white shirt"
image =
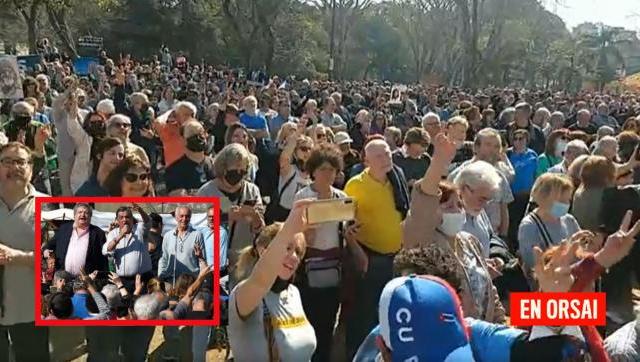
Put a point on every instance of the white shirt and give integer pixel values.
(131, 255)
(326, 234)
(299, 182)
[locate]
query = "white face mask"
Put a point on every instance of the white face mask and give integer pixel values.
(452, 223)
(561, 146)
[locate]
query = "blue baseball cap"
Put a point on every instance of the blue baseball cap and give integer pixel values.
(421, 320)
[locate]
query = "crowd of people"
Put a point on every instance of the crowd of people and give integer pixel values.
(462, 196)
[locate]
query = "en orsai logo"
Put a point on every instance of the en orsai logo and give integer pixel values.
(558, 309)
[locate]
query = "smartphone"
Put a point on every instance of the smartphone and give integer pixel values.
(334, 210)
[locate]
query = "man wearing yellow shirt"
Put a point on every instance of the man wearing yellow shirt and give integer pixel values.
(374, 239)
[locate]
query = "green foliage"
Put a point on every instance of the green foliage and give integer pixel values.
(488, 42)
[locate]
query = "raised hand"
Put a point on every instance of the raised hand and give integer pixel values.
(444, 148)
(619, 244)
(555, 274)
(115, 279)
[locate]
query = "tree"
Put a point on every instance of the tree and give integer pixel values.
(604, 44)
(29, 10)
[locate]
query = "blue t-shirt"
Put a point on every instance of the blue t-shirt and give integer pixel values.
(489, 342)
(254, 122)
(79, 301)
(525, 165)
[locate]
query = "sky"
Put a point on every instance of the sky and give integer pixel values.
(609, 12)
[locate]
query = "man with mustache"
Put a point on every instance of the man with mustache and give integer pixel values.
(78, 245)
(17, 212)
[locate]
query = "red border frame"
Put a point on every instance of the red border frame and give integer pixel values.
(124, 200)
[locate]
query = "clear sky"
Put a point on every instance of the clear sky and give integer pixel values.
(625, 13)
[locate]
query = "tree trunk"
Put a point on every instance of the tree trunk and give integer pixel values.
(58, 21)
(31, 35)
(31, 19)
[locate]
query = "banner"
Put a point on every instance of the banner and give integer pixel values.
(27, 63)
(85, 66)
(10, 82)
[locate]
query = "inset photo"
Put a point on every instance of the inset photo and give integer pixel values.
(127, 261)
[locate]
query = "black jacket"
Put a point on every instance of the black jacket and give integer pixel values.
(94, 261)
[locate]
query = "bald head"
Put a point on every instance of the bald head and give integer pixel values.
(378, 157)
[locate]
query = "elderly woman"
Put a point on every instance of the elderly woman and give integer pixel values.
(555, 122)
(240, 200)
(550, 222)
(119, 126)
(574, 149)
(478, 184)
(437, 216)
(598, 173)
(267, 321)
(131, 178)
(361, 129)
(541, 119)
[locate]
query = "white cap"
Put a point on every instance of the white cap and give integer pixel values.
(106, 106)
(342, 137)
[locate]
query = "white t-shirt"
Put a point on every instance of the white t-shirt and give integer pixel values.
(294, 336)
(288, 194)
(326, 234)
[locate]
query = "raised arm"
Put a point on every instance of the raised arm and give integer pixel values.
(422, 219)
(250, 292)
(287, 153)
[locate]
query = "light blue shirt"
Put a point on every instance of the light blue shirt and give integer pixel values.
(178, 255)
(207, 233)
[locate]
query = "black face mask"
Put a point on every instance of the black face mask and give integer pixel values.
(300, 164)
(196, 144)
(279, 285)
(97, 129)
(233, 177)
(21, 121)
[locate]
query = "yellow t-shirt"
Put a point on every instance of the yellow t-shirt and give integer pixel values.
(376, 211)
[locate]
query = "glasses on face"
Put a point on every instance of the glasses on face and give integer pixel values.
(519, 138)
(321, 135)
(304, 148)
(19, 162)
(122, 125)
(133, 177)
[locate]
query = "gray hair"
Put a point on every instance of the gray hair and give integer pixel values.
(186, 104)
(477, 175)
(229, 155)
(106, 106)
(605, 131)
(584, 111)
(185, 207)
(578, 147)
(112, 295)
(598, 150)
(22, 108)
(147, 307)
(118, 117)
(86, 206)
(430, 115)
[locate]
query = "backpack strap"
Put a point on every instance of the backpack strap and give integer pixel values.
(542, 229)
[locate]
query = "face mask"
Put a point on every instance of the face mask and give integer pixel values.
(559, 209)
(233, 177)
(21, 121)
(196, 144)
(97, 129)
(279, 285)
(560, 148)
(452, 223)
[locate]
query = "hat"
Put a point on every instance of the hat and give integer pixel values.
(421, 320)
(342, 137)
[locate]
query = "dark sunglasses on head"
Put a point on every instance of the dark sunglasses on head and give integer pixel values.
(133, 177)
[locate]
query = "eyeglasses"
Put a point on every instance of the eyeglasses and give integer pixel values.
(122, 125)
(304, 148)
(133, 177)
(321, 135)
(519, 138)
(19, 162)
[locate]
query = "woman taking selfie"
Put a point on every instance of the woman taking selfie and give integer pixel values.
(437, 216)
(132, 178)
(266, 319)
(319, 286)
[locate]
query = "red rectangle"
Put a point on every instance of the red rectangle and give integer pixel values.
(558, 309)
(127, 200)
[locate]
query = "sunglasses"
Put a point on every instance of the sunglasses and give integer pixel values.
(122, 125)
(321, 135)
(133, 177)
(304, 148)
